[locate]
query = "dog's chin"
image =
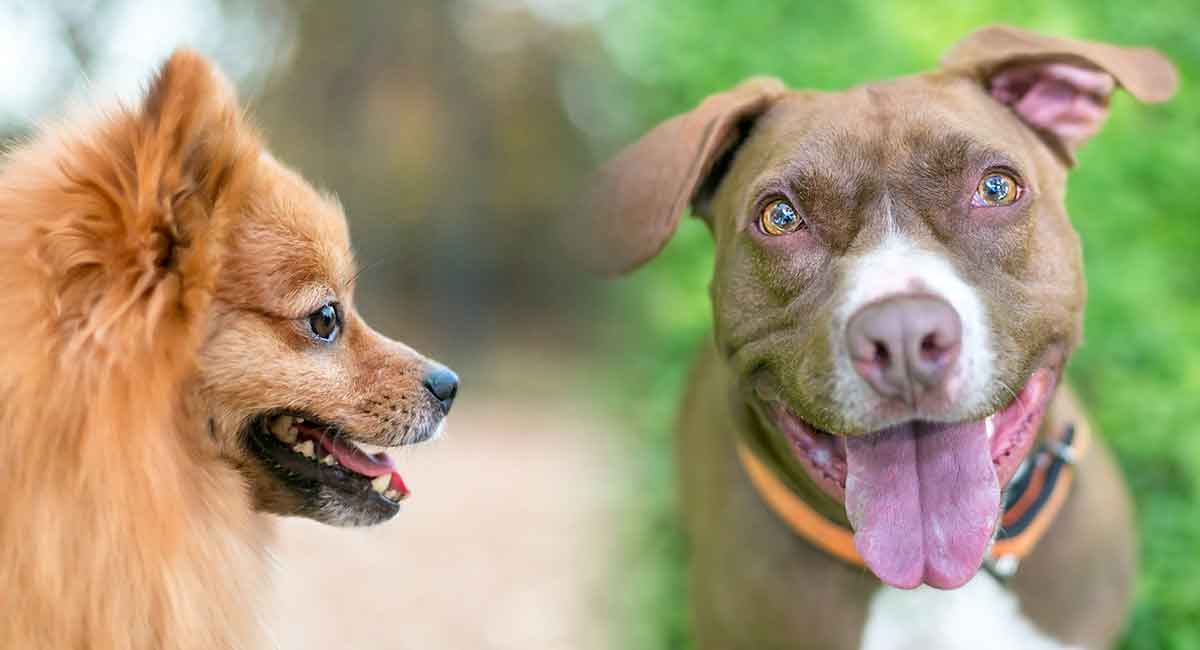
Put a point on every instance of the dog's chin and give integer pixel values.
(315, 469)
(1011, 431)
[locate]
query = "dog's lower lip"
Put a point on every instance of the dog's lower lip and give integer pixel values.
(823, 455)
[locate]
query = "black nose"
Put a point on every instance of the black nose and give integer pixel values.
(443, 384)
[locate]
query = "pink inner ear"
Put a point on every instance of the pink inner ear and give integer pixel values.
(1067, 100)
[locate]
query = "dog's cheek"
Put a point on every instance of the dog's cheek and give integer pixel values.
(808, 371)
(1040, 303)
(796, 359)
(252, 363)
(755, 289)
(764, 302)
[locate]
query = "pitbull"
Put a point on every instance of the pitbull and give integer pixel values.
(897, 290)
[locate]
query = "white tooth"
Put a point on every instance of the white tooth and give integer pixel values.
(991, 426)
(392, 494)
(380, 483)
(282, 428)
(305, 449)
(370, 449)
(299, 420)
(329, 460)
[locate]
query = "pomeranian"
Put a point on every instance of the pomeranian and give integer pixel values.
(183, 353)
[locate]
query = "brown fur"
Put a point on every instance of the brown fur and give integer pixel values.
(157, 268)
(903, 155)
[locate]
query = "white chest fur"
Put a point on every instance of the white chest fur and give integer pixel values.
(980, 615)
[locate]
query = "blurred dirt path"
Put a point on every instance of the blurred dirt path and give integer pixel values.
(504, 544)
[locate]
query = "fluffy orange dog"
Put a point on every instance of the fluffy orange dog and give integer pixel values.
(181, 351)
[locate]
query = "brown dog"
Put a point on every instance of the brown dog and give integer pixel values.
(897, 290)
(183, 350)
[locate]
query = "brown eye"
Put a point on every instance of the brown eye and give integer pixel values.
(324, 323)
(996, 189)
(779, 218)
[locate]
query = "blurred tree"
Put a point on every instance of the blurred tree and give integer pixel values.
(438, 124)
(54, 51)
(440, 127)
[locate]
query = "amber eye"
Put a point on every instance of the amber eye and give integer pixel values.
(996, 189)
(779, 218)
(324, 323)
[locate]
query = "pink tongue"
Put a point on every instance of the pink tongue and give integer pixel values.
(923, 501)
(354, 459)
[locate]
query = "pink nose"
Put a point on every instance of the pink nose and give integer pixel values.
(905, 346)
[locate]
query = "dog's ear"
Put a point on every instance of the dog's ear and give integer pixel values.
(151, 193)
(638, 197)
(110, 231)
(1059, 87)
(193, 134)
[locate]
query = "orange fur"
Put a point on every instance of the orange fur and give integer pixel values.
(160, 272)
(121, 528)
(112, 237)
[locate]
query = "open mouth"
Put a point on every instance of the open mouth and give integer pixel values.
(923, 497)
(309, 454)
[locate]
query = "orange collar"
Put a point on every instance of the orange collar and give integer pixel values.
(1032, 501)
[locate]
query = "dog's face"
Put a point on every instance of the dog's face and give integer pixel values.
(897, 283)
(301, 393)
(296, 391)
(841, 203)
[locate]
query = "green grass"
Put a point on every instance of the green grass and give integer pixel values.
(1133, 198)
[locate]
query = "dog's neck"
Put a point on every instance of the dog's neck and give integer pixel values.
(151, 542)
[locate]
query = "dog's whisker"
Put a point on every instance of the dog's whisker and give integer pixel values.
(371, 265)
(1016, 398)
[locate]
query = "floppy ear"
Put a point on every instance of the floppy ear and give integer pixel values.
(1060, 87)
(639, 196)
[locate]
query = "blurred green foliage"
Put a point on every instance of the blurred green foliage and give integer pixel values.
(1133, 199)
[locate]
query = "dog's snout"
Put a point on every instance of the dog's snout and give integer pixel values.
(905, 346)
(442, 383)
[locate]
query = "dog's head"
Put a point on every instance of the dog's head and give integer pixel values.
(897, 282)
(307, 395)
(298, 392)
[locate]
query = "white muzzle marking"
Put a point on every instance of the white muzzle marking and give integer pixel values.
(897, 267)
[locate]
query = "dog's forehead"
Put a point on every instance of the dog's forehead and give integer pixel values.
(296, 232)
(883, 126)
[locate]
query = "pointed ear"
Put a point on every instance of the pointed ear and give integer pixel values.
(155, 188)
(194, 156)
(112, 231)
(1060, 87)
(637, 198)
(192, 132)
